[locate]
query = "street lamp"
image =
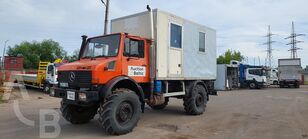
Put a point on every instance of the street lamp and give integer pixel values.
(106, 15)
(4, 52)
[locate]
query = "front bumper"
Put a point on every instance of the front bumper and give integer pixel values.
(89, 97)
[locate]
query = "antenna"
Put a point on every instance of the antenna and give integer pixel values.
(269, 57)
(293, 42)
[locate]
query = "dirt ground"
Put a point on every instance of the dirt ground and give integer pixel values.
(270, 113)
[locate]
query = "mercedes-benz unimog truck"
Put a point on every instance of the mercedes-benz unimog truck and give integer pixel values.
(148, 58)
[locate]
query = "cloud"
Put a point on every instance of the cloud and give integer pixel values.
(241, 24)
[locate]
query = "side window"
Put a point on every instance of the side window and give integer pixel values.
(202, 38)
(50, 69)
(175, 36)
(133, 48)
(255, 72)
(251, 72)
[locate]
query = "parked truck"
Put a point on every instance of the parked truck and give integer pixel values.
(289, 72)
(253, 77)
(157, 56)
(45, 78)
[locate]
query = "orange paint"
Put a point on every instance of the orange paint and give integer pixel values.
(98, 66)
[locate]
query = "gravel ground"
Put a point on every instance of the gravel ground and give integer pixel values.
(270, 113)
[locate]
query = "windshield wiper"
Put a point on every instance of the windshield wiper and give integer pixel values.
(100, 56)
(86, 57)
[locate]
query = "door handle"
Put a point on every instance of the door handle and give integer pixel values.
(144, 65)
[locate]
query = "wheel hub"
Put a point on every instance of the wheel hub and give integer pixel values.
(124, 112)
(252, 85)
(199, 100)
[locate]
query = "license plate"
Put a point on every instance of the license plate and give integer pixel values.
(70, 95)
(63, 84)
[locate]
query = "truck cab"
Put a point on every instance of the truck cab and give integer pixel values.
(103, 58)
(252, 76)
(272, 75)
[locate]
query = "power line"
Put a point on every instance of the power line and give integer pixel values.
(269, 57)
(293, 42)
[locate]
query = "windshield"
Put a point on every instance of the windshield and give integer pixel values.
(102, 47)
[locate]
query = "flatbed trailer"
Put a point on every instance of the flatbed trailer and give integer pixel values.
(45, 78)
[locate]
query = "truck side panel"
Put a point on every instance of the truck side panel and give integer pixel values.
(174, 63)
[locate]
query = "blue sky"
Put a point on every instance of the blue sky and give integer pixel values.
(241, 24)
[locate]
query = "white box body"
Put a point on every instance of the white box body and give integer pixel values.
(185, 63)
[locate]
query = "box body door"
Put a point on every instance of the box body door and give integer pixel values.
(175, 49)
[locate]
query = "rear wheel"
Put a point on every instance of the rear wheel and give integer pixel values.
(162, 106)
(77, 114)
(195, 102)
(121, 112)
(296, 85)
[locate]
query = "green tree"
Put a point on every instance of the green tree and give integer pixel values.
(228, 56)
(34, 52)
(73, 57)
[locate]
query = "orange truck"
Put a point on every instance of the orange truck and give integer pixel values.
(160, 56)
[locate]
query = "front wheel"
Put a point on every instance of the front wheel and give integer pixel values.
(252, 85)
(46, 88)
(121, 112)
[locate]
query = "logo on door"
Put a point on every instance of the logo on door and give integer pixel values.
(136, 71)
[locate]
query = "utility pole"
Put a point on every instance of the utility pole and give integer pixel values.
(269, 50)
(4, 53)
(106, 15)
(293, 42)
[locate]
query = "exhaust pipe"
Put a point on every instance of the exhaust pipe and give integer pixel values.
(84, 40)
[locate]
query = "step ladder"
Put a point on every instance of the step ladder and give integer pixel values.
(41, 72)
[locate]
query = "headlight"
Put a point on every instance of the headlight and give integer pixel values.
(82, 96)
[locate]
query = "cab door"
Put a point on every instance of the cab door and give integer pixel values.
(135, 61)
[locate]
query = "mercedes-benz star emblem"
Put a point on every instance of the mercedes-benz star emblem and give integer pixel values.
(72, 77)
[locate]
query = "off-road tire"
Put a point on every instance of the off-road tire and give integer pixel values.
(162, 106)
(253, 85)
(77, 114)
(121, 112)
(195, 101)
